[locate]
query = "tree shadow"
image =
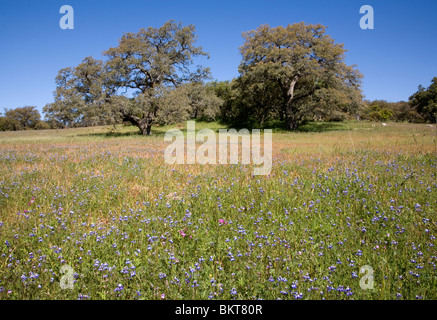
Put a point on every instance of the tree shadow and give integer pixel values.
(279, 126)
(111, 134)
(155, 131)
(276, 126)
(312, 126)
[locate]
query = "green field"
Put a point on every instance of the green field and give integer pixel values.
(340, 196)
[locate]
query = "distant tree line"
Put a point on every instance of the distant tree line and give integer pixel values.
(287, 75)
(381, 110)
(21, 119)
(421, 107)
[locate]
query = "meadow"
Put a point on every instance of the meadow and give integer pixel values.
(340, 196)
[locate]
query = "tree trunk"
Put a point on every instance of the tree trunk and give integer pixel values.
(261, 123)
(291, 117)
(145, 124)
(143, 128)
(293, 122)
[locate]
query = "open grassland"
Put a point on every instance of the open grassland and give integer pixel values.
(340, 196)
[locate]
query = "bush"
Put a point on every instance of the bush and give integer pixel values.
(380, 110)
(27, 117)
(8, 124)
(42, 125)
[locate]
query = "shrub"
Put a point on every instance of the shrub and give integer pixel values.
(42, 125)
(8, 124)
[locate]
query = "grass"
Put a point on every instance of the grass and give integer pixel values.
(340, 197)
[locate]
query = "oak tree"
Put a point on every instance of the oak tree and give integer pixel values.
(82, 95)
(149, 60)
(305, 66)
(26, 117)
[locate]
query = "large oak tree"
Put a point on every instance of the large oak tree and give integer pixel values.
(305, 65)
(26, 117)
(152, 59)
(154, 66)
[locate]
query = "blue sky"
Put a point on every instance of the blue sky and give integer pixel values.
(395, 57)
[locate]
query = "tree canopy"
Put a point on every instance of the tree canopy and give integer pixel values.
(150, 61)
(25, 117)
(425, 101)
(153, 64)
(288, 74)
(306, 68)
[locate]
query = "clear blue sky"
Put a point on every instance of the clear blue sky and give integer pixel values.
(395, 57)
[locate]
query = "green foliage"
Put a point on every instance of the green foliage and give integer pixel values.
(295, 73)
(42, 125)
(230, 96)
(8, 124)
(81, 96)
(205, 104)
(151, 64)
(164, 106)
(151, 60)
(27, 117)
(156, 56)
(378, 113)
(288, 75)
(425, 101)
(22, 118)
(255, 101)
(381, 110)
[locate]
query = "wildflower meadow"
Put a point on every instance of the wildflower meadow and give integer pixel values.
(348, 211)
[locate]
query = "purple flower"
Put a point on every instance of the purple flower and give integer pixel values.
(119, 288)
